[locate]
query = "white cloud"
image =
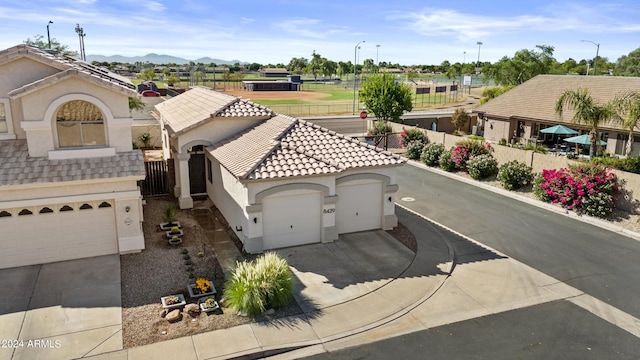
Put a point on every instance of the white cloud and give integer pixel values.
(300, 27)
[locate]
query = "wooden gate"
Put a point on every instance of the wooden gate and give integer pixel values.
(156, 180)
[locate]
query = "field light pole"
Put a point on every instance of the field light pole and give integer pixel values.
(48, 35)
(355, 68)
(479, 43)
(595, 61)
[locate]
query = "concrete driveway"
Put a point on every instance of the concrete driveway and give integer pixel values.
(62, 310)
(352, 266)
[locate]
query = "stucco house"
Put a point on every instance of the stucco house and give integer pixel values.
(523, 111)
(279, 181)
(68, 173)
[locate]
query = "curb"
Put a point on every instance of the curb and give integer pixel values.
(550, 207)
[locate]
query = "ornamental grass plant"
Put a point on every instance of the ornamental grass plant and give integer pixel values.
(260, 284)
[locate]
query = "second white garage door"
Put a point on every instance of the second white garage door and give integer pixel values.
(291, 220)
(359, 206)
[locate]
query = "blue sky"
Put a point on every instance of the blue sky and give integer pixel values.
(408, 32)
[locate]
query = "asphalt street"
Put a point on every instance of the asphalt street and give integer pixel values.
(596, 261)
(600, 263)
(555, 330)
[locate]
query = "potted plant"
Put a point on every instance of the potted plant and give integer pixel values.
(146, 139)
(175, 240)
(175, 231)
(202, 287)
(208, 304)
(173, 301)
(169, 214)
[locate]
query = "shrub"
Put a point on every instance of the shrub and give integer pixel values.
(257, 285)
(629, 164)
(411, 135)
(414, 149)
(588, 188)
(482, 166)
(502, 142)
(446, 162)
(475, 137)
(466, 149)
(381, 127)
(431, 154)
(514, 175)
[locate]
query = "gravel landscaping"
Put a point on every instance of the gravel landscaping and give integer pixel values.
(159, 271)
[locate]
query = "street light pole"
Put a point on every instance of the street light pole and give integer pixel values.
(48, 35)
(479, 43)
(377, 48)
(355, 68)
(81, 35)
(595, 61)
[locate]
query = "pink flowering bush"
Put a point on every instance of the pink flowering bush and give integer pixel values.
(466, 149)
(409, 136)
(583, 188)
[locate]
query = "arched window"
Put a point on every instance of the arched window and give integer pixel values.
(66, 208)
(4, 213)
(104, 204)
(45, 210)
(86, 207)
(25, 212)
(80, 124)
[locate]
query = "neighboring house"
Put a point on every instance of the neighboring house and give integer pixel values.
(68, 174)
(520, 113)
(279, 181)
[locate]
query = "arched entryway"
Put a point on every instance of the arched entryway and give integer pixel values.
(197, 182)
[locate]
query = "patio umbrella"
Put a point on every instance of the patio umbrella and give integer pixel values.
(583, 140)
(559, 130)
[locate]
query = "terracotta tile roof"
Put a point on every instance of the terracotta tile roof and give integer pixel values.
(17, 168)
(536, 98)
(285, 147)
(201, 104)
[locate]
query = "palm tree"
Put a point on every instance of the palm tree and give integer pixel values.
(628, 103)
(587, 111)
(135, 103)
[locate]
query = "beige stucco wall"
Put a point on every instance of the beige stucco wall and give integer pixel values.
(215, 130)
(628, 201)
(23, 71)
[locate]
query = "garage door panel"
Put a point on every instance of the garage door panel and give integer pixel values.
(49, 237)
(291, 220)
(359, 207)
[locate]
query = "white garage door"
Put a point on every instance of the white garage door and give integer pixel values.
(291, 220)
(55, 236)
(359, 206)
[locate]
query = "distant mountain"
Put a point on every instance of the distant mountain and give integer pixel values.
(158, 59)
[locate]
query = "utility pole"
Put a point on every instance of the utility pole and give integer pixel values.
(81, 36)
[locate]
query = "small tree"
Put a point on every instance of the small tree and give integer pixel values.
(148, 74)
(136, 103)
(628, 103)
(459, 118)
(386, 98)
